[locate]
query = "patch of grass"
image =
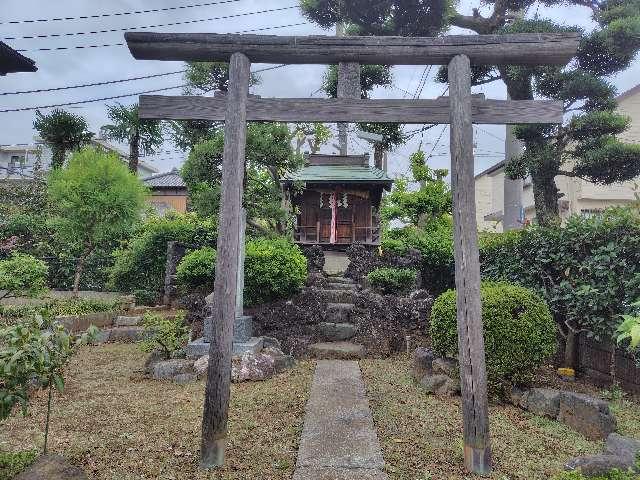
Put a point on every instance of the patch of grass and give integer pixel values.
(421, 435)
(117, 425)
(12, 463)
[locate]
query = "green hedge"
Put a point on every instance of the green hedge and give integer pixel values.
(274, 268)
(588, 272)
(519, 332)
(140, 265)
(53, 308)
(393, 281)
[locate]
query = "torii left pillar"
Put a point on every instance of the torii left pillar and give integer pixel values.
(218, 390)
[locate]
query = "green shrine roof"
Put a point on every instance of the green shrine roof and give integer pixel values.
(338, 174)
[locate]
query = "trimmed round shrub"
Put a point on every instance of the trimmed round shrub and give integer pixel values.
(519, 332)
(197, 269)
(392, 281)
(274, 268)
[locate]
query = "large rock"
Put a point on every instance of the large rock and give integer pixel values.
(446, 366)
(622, 446)
(281, 360)
(200, 366)
(168, 369)
(596, 465)
(153, 358)
(439, 384)
(422, 363)
(336, 332)
(337, 351)
(588, 415)
(51, 467)
(542, 401)
(252, 367)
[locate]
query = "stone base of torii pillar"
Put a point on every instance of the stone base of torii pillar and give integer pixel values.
(243, 339)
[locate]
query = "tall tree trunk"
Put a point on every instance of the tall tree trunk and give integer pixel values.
(378, 155)
(571, 349)
(80, 269)
(57, 157)
(545, 195)
(134, 152)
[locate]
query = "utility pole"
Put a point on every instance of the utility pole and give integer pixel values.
(512, 208)
(348, 87)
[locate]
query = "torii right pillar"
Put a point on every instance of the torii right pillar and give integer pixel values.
(473, 374)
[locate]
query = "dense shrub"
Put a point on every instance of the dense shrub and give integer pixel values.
(22, 275)
(588, 272)
(54, 308)
(274, 268)
(140, 266)
(13, 463)
(197, 269)
(166, 334)
(519, 332)
(393, 281)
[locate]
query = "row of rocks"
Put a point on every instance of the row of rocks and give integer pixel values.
(620, 452)
(588, 415)
(249, 366)
(439, 376)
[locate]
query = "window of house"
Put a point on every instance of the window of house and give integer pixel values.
(16, 164)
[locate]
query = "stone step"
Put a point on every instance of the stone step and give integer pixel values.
(123, 321)
(338, 296)
(339, 312)
(340, 280)
(337, 332)
(340, 286)
(336, 351)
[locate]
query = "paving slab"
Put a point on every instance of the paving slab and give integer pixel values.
(339, 440)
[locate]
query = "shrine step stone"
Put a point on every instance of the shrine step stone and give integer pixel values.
(123, 321)
(340, 286)
(337, 332)
(337, 351)
(343, 280)
(338, 296)
(339, 312)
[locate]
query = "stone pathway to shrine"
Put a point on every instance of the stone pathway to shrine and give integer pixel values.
(339, 440)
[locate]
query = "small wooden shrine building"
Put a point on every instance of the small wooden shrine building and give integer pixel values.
(337, 200)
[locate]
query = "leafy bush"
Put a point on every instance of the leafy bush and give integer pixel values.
(587, 271)
(22, 275)
(9, 314)
(164, 333)
(274, 268)
(519, 332)
(393, 281)
(140, 266)
(13, 463)
(197, 269)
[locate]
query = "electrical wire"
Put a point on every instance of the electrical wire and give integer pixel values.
(121, 44)
(118, 14)
(159, 25)
(93, 100)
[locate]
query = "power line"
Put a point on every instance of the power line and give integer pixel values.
(82, 85)
(122, 44)
(93, 100)
(118, 14)
(172, 24)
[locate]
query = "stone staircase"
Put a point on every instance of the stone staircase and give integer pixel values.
(337, 332)
(124, 329)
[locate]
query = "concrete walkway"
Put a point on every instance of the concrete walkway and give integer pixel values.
(339, 440)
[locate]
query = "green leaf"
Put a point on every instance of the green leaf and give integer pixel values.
(58, 382)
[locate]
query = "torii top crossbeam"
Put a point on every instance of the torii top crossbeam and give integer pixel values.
(512, 49)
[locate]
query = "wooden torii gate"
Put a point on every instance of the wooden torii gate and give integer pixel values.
(460, 110)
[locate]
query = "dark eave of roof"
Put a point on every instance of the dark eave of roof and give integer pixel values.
(170, 179)
(12, 61)
(491, 169)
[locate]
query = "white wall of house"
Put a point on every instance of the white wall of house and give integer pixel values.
(20, 161)
(579, 196)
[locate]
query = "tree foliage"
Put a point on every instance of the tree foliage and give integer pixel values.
(62, 132)
(95, 199)
(607, 49)
(22, 275)
(268, 155)
(143, 136)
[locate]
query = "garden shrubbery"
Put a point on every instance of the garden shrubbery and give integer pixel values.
(393, 281)
(519, 332)
(53, 308)
(140, 265)
(274, 268)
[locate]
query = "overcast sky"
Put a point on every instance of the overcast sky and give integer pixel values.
(78, 66)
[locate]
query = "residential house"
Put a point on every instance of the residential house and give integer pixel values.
(168, 192)
(21, 161)
(12, 61)
(578, 196)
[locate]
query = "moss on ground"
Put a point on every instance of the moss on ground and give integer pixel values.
(421, 435)
(117, 425)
